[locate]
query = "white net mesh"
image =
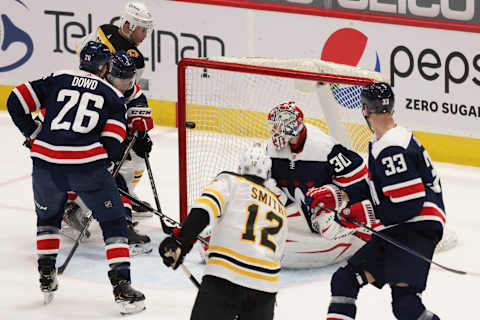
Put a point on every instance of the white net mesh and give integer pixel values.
(229, 109)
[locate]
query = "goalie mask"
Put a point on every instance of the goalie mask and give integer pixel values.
(255, 162)
(286, 120)
(137, 15)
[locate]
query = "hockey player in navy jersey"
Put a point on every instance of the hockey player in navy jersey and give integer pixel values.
(72, 149)
(406, 196)
(304, 157)
(248, 237)
(122, 67)
(135, 23)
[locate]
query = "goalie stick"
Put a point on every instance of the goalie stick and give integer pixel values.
(166, 229)
(398, 244)
(62, 268)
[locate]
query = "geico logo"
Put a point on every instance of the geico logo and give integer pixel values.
(454, 68)
(462, 10)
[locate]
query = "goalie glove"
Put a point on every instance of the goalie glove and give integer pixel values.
(328, 195)
(361, 212)
(139, 119)
(325, 224)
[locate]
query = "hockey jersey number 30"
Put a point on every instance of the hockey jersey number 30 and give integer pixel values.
(249, 230)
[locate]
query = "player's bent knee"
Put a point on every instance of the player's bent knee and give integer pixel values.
(347, 281)
(406, 303)
(114, 228)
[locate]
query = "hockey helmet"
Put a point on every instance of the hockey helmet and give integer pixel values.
(377, 98)
(286, 119)
(121, 72)
(137, 15)
(255, 161)
(94, 56)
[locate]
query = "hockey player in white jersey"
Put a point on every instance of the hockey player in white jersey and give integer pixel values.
(135, 23)
(304, 157)
(248, 237)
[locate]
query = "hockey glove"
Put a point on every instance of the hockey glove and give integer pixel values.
(172, 252)
(143, 146)
(139, 119)
(361, 212)
(328, 195)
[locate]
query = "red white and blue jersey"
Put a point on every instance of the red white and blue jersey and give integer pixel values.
(321, 161)
(84, 118)
(406, 188)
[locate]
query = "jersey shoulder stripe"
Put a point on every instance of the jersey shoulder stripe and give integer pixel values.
(397, 136)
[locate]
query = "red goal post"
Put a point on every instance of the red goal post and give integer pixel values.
(223, 103)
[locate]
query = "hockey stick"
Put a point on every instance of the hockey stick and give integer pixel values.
(165, 228)
(190, 276)
(158, 213)
(62, 268)
(396, 243)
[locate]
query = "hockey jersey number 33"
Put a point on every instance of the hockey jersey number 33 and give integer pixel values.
(249, 230)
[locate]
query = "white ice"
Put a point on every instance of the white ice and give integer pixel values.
(85, 292)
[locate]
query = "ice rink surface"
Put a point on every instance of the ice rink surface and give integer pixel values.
(85, 292)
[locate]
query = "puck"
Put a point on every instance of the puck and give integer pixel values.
(190, 124)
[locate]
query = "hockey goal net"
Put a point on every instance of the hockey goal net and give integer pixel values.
(223, 105)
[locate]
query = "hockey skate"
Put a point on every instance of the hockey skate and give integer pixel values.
(140, 211)
(128, 299)
(138, 243)
(74, 220)
(48, 279)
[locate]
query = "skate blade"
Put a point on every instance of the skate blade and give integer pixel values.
(136, 249)
(48, 297)
(131, 307)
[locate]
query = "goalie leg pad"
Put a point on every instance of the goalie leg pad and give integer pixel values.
(345, 285)
(407, 304)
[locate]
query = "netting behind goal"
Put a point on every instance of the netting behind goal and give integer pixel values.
(227, 101)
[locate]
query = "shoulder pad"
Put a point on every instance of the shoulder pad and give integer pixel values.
(395, 137)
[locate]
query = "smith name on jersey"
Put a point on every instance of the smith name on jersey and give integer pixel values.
(321, 161)
(407, 188)
(84, 121)
(249, 230)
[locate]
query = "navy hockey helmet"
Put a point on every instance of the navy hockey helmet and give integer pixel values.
(121, 72)
(122, 66)
(377, 98)
(94, 56)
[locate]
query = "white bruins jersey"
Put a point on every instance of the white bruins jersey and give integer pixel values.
(249, 229)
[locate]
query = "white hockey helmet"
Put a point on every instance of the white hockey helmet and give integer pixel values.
(137, 15)
(255, 162)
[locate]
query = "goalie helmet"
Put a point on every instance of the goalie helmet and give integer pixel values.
(377, 98)
(286, 119)
(137, 15)
(255, 162)
(94, 56)
(121, 72)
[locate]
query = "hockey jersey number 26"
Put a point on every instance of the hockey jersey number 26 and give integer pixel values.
(248, 232)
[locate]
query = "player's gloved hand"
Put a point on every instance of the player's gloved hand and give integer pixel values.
(172, 252)
(139, 119)
(329, 195)
(143, 146)
(279, 141)
(361, 212)
(27, 143)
